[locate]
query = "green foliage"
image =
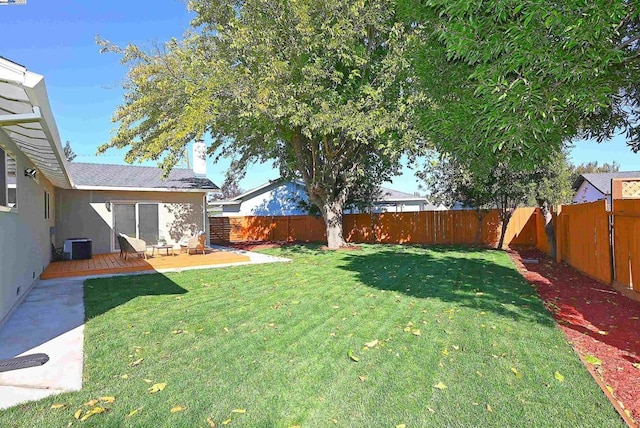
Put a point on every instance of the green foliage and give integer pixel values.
(323, 89)
(520, 78)
(592, 167)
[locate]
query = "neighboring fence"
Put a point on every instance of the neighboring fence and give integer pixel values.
(583, 233)
(424, 227)
(626, 241)
(583, 239)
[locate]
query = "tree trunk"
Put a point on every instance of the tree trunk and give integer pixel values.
(332, 214)
(503, 231)
(481, 215)
(549, 228)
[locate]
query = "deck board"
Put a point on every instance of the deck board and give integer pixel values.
(111, 263)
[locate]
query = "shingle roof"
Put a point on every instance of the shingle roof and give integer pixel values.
(134, 176)
(602, 180)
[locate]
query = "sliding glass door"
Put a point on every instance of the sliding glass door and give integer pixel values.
(140, 220)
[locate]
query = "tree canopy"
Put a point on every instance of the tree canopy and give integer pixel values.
(523, 77)
(321, 88)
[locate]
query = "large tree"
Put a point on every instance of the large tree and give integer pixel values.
(321, 88)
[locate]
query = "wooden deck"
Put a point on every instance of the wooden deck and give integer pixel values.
(102, 264)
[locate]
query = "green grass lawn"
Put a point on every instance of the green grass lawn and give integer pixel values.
(456, 338)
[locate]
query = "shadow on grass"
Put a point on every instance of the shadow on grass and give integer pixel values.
(103, 294)
(463, 276)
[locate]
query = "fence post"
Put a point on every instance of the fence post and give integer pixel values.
(559, 234)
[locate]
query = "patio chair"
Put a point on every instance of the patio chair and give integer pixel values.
(129, 245)
(195, 243)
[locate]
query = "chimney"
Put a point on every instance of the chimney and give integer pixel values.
(199, 158)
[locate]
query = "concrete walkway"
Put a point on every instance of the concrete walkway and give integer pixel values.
(51, 321)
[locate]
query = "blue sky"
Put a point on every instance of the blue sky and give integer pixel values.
(57, 39)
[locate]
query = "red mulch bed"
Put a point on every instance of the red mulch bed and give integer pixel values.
(596, 319)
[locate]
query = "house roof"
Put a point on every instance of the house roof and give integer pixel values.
(93, 176)
(27, 120)
(389, 196)
(602, 180)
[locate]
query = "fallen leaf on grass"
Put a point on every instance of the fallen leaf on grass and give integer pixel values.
(372, 344)
(430, 410)
(440, 385)
(489, 409)
(636, 365)
(211, 423)
(239, 411)
(157, 388)
(401, 426)
(107, 399)
(58, 406)
(91, 403)
(178, 331)
(516, 372)
(226, 422)
(352, 356)
(147, 380)
(592, 360)
(133, 412)
(124, 376)
(559, 376)
(77, 414)
(176, 409)
(94, 411)
(362, 378)
(136, 362)
(416, 332)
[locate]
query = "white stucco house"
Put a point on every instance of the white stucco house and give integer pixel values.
(592, 187)
(283, 198)
(45, 200)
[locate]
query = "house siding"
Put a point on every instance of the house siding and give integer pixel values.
(88, 214)
(279, 199)
(588, 193)
(25, 241)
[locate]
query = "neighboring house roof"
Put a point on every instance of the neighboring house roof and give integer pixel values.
(26, 118)
(389, 196)
(602, 180)
(263, 188)
(93, 176)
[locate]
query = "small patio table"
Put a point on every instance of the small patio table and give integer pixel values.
(161, 247)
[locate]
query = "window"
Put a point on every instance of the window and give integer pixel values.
(8, 180)
(12, 182)
(3, 178)
(47, 206)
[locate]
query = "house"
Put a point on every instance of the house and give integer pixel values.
(284, 198)
(276, 197)
(592, 187)
(45, 200)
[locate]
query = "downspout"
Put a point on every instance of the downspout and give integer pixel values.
(205, 220)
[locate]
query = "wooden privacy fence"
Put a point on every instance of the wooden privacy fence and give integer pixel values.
(424, 227)
(626, 242)
(583, 239)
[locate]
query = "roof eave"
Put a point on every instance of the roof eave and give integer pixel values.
(142, 189)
